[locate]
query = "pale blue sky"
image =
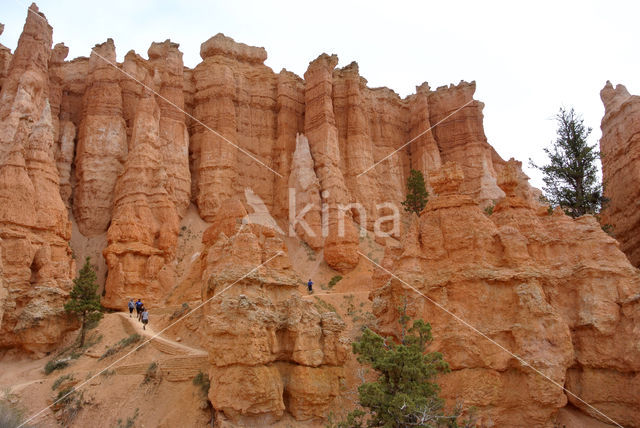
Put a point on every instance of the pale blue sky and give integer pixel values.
(527, 59)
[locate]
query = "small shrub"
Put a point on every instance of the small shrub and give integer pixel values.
(323, 306)
(10, 417)
(334, 280)
(202, 380)
(134, 338)
(179, 312)
(130, 420)
(108, 373)
(55, 365)
(68, 403)
(61, 379)
(488, 210)
(151, 374)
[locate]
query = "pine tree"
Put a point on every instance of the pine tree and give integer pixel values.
(417, 194)
(84, 300)
(404, 393)
(571, 176)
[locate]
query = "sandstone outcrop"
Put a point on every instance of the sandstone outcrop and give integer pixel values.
(556, 292)
(120, 153)
(270, 350)
(102, 142)
(5, 60)
(305, 196)
(34, 228)
(620, 149)
(153, 191)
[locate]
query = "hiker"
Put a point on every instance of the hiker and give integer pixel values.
(310, 286)
(142, 309)
(131, 306)
(145, 318)
(138, 307)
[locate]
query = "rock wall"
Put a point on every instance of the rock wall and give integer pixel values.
(270, 350)
(620, 149)
(556, 292)
(121, 150)
(34, 227)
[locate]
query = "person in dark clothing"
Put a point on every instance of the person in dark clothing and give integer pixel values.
(310, 286)
(131, 306)
(145, 318)
(138, 307)
(142, 309)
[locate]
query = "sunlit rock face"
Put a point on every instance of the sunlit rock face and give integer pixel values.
(123, 153)
(37, 264)
(620, 149)
(554, 291)
(270, 351)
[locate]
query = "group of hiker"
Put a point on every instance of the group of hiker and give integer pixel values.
(141, 312)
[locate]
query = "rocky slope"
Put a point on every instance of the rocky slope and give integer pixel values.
(130, 155)
(620, 148)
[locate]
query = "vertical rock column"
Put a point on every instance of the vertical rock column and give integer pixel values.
(340, 247)
(460, 136)
(102, 143)
(348, 90)
(620, 148)
(34, 228)
(166, 60)
(64, 129)
(153, 192)
(425, 155)
(290, 121)
(214, 105)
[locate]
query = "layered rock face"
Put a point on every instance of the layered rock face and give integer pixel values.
(153, 191)
(270, 350)
(37, 266)
(620, 149)
(122, 149)
(556, 292)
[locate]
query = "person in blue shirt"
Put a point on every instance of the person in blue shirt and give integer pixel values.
(310, 286)
(138, 308)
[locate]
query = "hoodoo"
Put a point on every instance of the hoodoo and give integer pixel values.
(213, 193)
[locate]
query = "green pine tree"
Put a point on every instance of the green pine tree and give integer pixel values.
(571, 176)
(404, 393)
(84, 300)
(417, 194)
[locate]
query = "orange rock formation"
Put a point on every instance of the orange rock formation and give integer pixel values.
(556, 292)
(34, 225)
(620, 148)
(269, 349)
(121, 150)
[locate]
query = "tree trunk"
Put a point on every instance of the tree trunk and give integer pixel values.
(82, 329)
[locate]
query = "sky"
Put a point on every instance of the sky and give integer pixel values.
(528, 59)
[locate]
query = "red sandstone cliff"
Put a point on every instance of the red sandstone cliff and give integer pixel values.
(556, 292)
(34, 224)
(123, 149)
(620, 149)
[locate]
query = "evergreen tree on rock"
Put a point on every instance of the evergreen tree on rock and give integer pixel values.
(84, 300)
(571, 176)
(417, 194)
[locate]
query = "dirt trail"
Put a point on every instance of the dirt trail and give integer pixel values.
(167, 346)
